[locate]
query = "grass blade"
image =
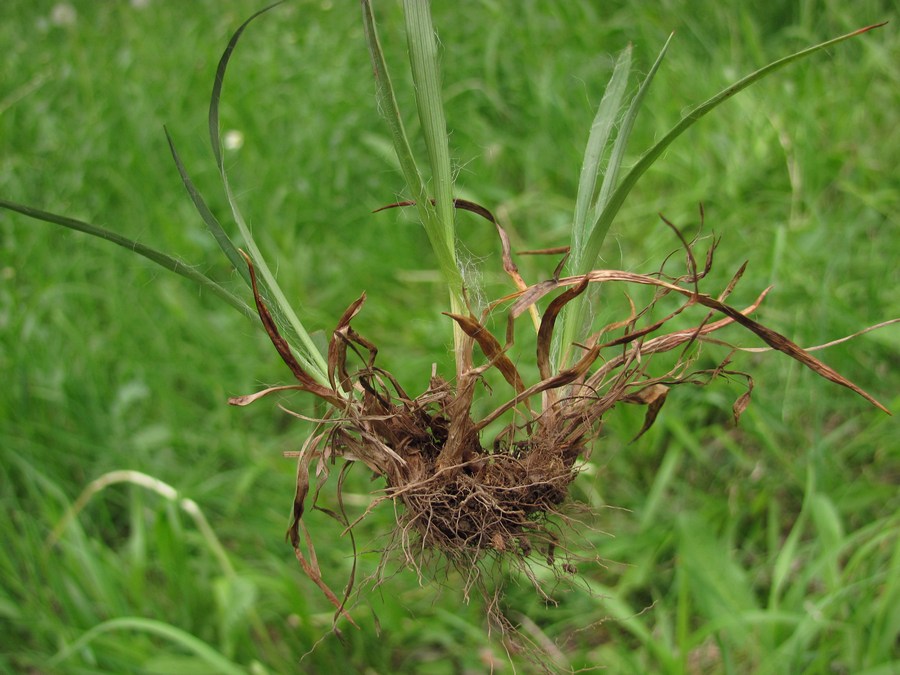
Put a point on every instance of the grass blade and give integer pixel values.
(438, 223)
(598, 140)
(162, 259)
(387, 105)
(216, 661)
(426, 78)
(595, 241)
(308, 354)
(587, 242)
(214, 132)
(618, 151)
(212, 224)
(574, 317)
(437, 212)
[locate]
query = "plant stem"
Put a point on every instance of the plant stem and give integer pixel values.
(423, 59)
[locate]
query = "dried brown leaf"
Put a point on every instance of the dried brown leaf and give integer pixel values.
(548, 321)
(509, 266)
(300, 493)
(740, 405)
(783, 344)
(662, 343)
(770, 337)
(734, 281)
(831, 343)
(337, 346)
(315, 576)
(527, 298)
(250, 398)
(491, 348)
(345, 521)
(653, 397)
(556, 250)
(689, 251)
(284, 349)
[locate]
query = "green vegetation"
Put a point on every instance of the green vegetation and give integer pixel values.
(773, 547)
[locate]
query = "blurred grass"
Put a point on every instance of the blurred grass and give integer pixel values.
(773, 547)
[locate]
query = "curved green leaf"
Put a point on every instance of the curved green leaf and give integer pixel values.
(162, 259)
(308, 354)
(212, 224)
(595, 241)
(598, 140)
(218, 663)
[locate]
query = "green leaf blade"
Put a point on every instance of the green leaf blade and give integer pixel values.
(306, 350)
(607, 208)
(618, 151)
(390, 111)
(212, 224)
(598, 141)
(617, 199)
(208, 654)
(162, 259)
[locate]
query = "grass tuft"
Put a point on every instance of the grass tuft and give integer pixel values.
(110, 367)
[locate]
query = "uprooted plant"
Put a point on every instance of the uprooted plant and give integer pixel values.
(478, 486)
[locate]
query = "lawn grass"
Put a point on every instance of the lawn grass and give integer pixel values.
(770, 547)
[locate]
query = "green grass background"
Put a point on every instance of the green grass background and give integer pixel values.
(770, 547)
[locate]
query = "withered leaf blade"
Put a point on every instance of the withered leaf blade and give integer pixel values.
(688, 249)
(315, 576)
(527, 298)
(283, 348)
(250, 398)
(268, 323)
(352, 579)
(491, 348)
(337, 346)
(556, 250)
(509, 266)
(659, 344)
(653, 397)
(354, 338)
(740, 405)
(300, 493)
(783, 344)
(734, 281)
(548, 321)
(770, 337)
